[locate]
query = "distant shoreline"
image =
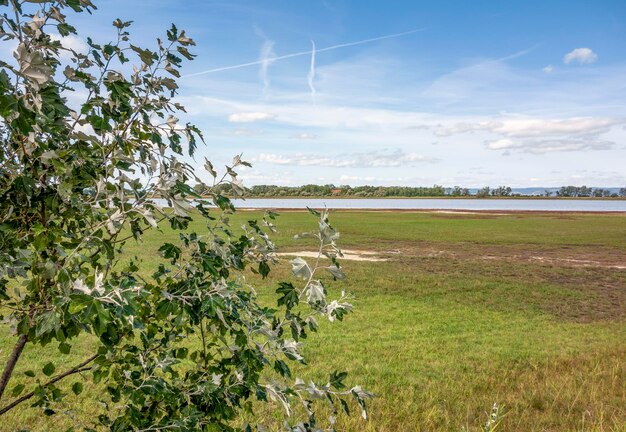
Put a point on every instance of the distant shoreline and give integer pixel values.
(443, 212)
(350, 197)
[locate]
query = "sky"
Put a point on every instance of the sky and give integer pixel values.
(517, 93)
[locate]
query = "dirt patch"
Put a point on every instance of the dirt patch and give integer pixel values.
(464, 212)
(594, 278)
(578, 262)
(348, 254)
(459, 215)
(574, 256)
(566, 214)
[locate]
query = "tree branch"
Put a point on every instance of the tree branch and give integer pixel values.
(13, 358)
(76, 369)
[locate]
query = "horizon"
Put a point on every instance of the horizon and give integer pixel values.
(525, 94)
(443, 186)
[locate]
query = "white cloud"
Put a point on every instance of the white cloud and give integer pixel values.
(70, 42)
(548, 69)
(305, 136)
(247, 117)
(275, 159)
(534, 127)
(580, 56)
(540, 146)
(500, 144)
(306, 115)
(281, 179)
(380, 159)
(540, 136)
(246, 132)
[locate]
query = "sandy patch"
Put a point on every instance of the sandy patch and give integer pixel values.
(577, 262)
(348, 254)
(484, 212)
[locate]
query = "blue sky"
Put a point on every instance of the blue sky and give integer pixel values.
(518, 93)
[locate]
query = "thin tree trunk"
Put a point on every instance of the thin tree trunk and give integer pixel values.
(13, 358)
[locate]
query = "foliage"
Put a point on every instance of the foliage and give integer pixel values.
(93, 157)
(329, 190)
(574, 191)
(501, 191)
(585, 191)
(344, 190)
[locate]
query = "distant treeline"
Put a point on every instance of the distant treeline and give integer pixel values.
(330, 190)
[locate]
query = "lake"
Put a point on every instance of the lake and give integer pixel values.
(436, 204)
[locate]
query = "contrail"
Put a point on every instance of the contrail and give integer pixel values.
(266, 58)
(311, 75)
(301, 53)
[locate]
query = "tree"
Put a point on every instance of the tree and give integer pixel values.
(574, 191)
(501, 191)
(483, 193)
(458, 191)
(188, 347)
(600, 192)
(568, 191)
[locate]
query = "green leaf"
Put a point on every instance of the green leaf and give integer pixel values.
(313, 212)
(264, 269)
(344, 406)
(17, 390)
(65, 348)
(65, 29)
(169, 68)
(48, 369)
(145, 55)
(337, 378)
(47, 322)
(77, 388)
(289, 296)
(170, 251)
(99, 123)
(185, 52)
(29, 373)
(181, 353)
(282, 368)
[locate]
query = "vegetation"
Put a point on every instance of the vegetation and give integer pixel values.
(522, 310)
(330, 190)
(179, 343)
(584, 191)
(122, 314)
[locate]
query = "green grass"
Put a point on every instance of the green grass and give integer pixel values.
(440, 337)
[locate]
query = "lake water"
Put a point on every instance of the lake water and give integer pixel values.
(434, 203)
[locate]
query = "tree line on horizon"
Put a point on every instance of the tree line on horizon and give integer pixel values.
(328, 190)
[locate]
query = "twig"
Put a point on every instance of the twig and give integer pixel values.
(76, 369)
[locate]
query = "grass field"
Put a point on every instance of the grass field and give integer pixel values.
(528, 311)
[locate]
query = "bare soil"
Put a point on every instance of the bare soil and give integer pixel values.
(594, 276)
